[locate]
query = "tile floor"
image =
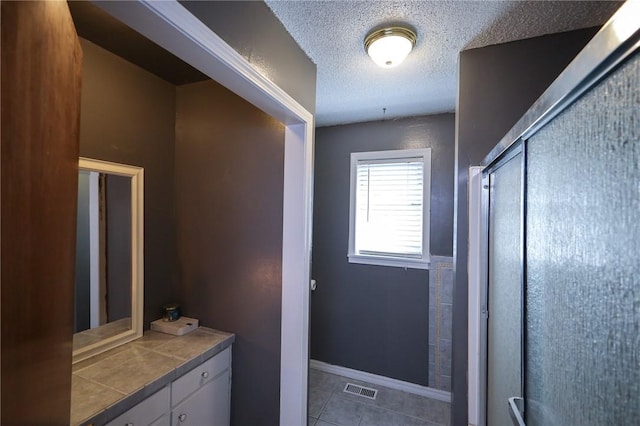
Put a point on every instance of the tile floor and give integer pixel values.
(329, 405)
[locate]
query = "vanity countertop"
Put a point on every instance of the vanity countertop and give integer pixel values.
(108, 384)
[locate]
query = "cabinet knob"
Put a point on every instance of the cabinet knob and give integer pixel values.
(205, 374)
(182, 417)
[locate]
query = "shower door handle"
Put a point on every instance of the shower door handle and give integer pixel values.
(516, 410)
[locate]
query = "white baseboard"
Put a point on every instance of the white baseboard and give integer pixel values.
(381, 380)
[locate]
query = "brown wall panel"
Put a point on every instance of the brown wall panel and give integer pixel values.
(41, 76)
(229, 193)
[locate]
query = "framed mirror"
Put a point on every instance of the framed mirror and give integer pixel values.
(109, 284)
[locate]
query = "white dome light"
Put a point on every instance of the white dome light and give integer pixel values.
(388, 47)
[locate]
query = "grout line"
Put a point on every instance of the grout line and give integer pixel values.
(371, 403)
(95, 382)
(438, 315)
(324, 406)
(437, 374)
(97, 361)
(385, 382)
(168, 355)
(389, 410)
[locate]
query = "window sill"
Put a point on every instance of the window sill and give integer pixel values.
(389, 261)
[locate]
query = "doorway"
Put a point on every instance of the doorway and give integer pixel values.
(172, 27)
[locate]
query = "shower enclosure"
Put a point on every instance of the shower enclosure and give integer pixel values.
(561, 207)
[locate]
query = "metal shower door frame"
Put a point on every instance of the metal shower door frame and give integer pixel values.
(510, 154)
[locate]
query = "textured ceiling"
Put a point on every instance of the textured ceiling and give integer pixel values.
(351, 88)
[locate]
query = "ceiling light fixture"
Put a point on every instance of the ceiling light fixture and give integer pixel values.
(388, 47)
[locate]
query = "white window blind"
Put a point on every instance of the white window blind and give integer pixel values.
(389, 208)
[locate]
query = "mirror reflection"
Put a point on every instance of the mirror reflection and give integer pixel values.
(103, 254)
(108, 283)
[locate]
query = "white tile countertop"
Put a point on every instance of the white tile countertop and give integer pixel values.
(108, 384)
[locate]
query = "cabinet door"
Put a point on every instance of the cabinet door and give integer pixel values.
(199, 376)
(146, 412)
(208, 406)
(162, 421)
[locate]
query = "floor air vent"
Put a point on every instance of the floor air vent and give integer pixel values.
(360, 391)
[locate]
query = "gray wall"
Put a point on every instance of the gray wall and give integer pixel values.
(229, 195)
(374, 318)
(231, 167)
(497, 85)
(128, 116)
(118, 241)
(253, 31)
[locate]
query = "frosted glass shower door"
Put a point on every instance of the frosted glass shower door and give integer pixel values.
(582, 348)
(504, 289)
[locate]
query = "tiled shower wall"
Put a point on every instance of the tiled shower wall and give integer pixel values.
(440, 320)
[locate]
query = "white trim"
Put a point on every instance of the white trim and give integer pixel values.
(402, 262)
(296, 258)
(173, 27)
(375, 379)
(398, 262)
(474, 286)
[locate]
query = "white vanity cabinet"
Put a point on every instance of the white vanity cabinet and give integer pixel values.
(200, 397)
(209, 405)
(162, 421)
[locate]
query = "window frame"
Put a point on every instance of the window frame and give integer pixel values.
(384, 260)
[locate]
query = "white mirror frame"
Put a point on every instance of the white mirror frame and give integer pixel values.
(137, 255)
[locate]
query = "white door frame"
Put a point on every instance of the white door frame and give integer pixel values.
(173, 27)
(475, 267)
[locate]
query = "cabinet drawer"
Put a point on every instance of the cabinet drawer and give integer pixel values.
(194, 379)
(146, 412)
(207, 406)
(163, 421)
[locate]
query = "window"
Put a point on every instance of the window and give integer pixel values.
(389, 208)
